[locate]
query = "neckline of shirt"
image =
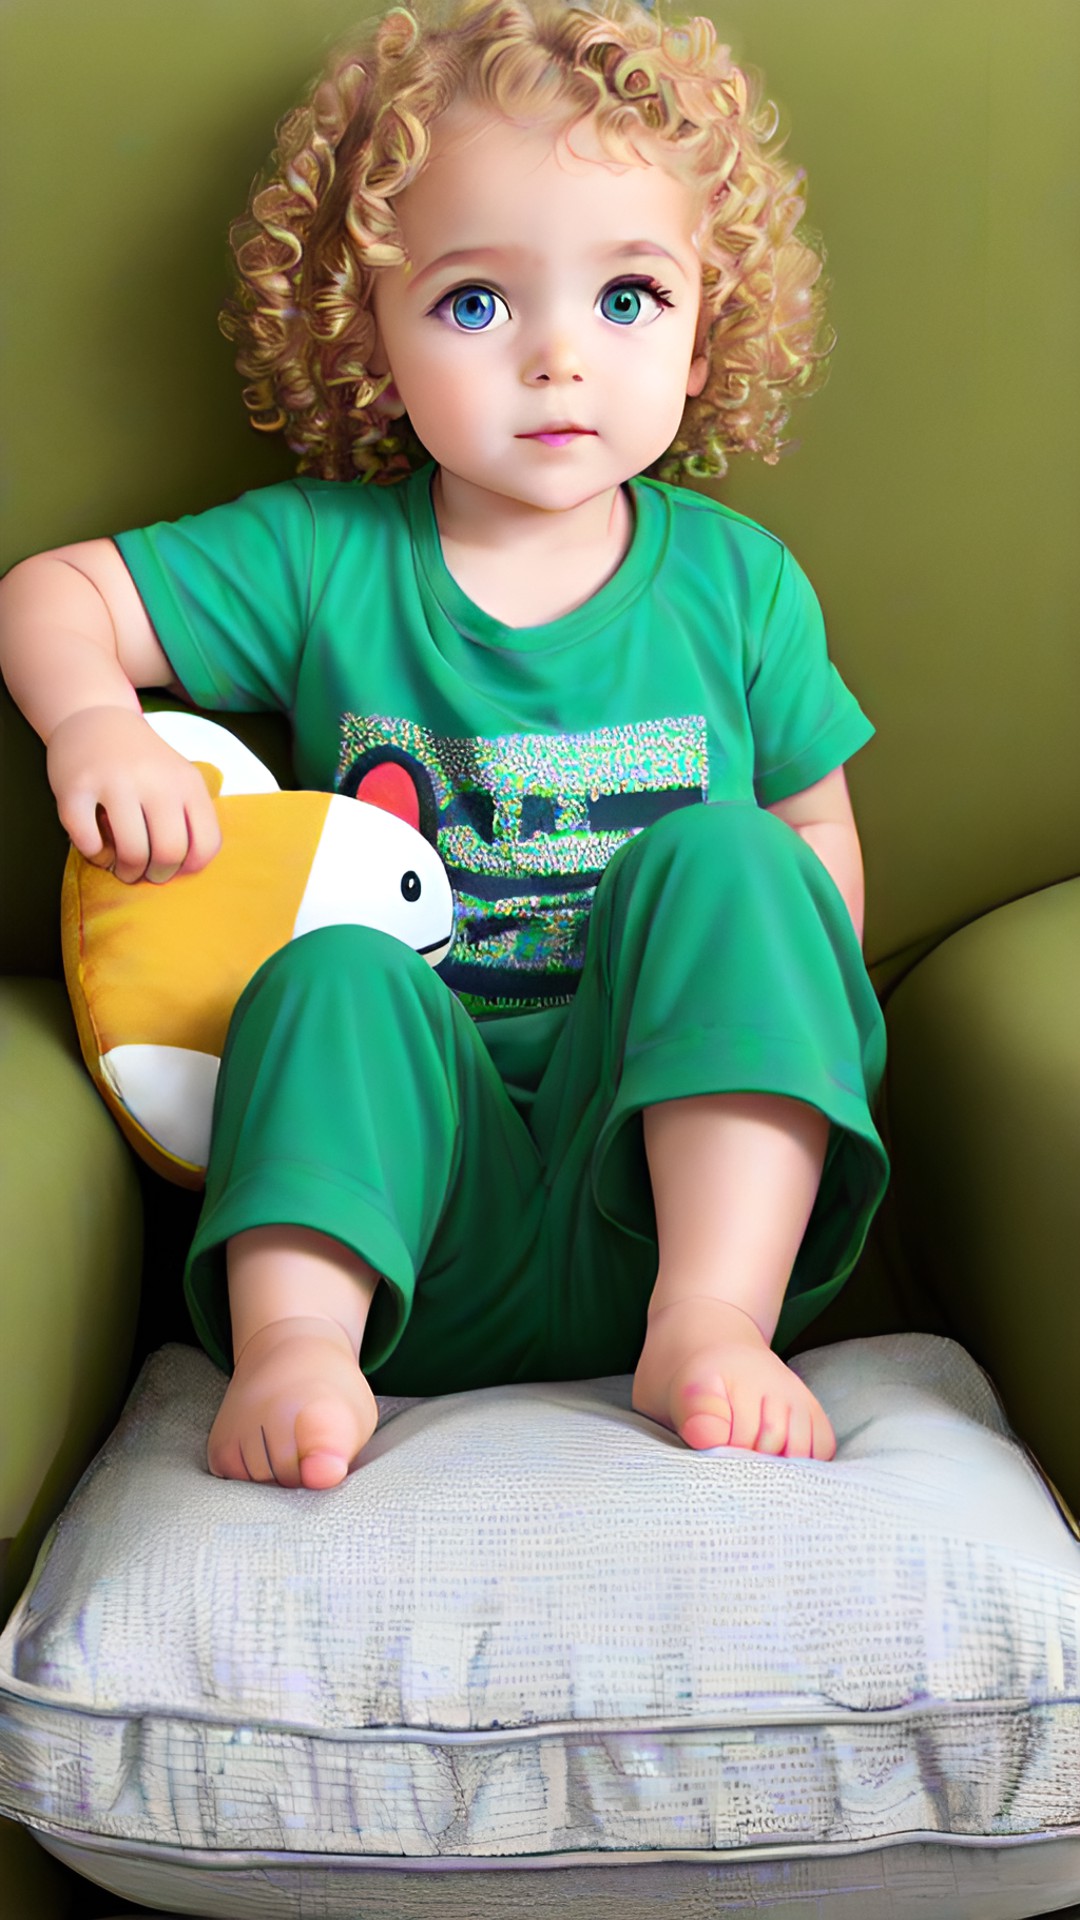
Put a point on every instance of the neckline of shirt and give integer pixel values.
(633, 574)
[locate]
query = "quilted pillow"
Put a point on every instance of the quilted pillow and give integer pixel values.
(536, 1653)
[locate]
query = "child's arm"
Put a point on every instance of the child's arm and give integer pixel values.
(821, 815)
(75, 642)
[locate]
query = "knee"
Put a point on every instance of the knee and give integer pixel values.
(339, 955)
(717, 837)
(728, 824)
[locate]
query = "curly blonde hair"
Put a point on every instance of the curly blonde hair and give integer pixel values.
(320, 223)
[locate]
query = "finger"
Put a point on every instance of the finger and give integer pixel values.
(82, 821)
(203, 832)
(167, 829)
(772, 1434)
(125, 825)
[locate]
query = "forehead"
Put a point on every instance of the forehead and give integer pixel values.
(483, 168)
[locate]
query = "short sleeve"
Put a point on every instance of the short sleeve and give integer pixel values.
(805, 721)
(228, 593)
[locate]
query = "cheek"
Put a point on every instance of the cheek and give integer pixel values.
(660, 381)
(444, 386)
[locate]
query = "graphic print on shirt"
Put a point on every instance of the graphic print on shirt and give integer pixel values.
(525, 825)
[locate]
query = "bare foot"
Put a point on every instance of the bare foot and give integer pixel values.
(707, 1373)
(297, 1410)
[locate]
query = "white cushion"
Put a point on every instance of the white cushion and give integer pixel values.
(535, 1638)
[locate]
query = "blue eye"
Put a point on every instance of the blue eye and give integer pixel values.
(623, 301)
(620, 303)
(472, 309)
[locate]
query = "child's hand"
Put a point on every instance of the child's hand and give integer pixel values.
(128, 801)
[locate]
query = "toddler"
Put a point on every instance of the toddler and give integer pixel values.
(518, 270)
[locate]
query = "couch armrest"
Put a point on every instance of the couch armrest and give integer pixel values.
(983, 1103)
(71, 1232)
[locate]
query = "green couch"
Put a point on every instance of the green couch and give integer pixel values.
(932, 498)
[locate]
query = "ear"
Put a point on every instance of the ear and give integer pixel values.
(377, 361)
(389, 401)
(207, 744)
(697, 376)
(389, 786)
(386, 777)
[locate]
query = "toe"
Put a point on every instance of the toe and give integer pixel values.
(824, 1446)
(321, 1469)
(329, 1435)
(746, 1419)
(772, 1434)
(703, 1413)
(225, 1460)
(800, 1439)
(256, 1460)
(700, 1430)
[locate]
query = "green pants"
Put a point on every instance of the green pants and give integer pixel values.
(494, 1171)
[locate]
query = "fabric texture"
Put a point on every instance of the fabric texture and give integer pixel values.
(533, 1630)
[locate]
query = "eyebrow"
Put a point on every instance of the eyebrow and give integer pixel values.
(631, 249)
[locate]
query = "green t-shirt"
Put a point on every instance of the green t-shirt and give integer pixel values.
(698, 672)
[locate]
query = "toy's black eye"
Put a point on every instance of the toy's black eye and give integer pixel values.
(410, 886)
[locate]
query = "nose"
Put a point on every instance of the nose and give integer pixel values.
(554, 359)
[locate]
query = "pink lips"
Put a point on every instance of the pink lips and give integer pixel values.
(559, 436)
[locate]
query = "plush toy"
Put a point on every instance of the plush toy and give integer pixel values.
(154, 972)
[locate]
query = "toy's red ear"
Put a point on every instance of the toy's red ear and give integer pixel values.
(391, 787)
